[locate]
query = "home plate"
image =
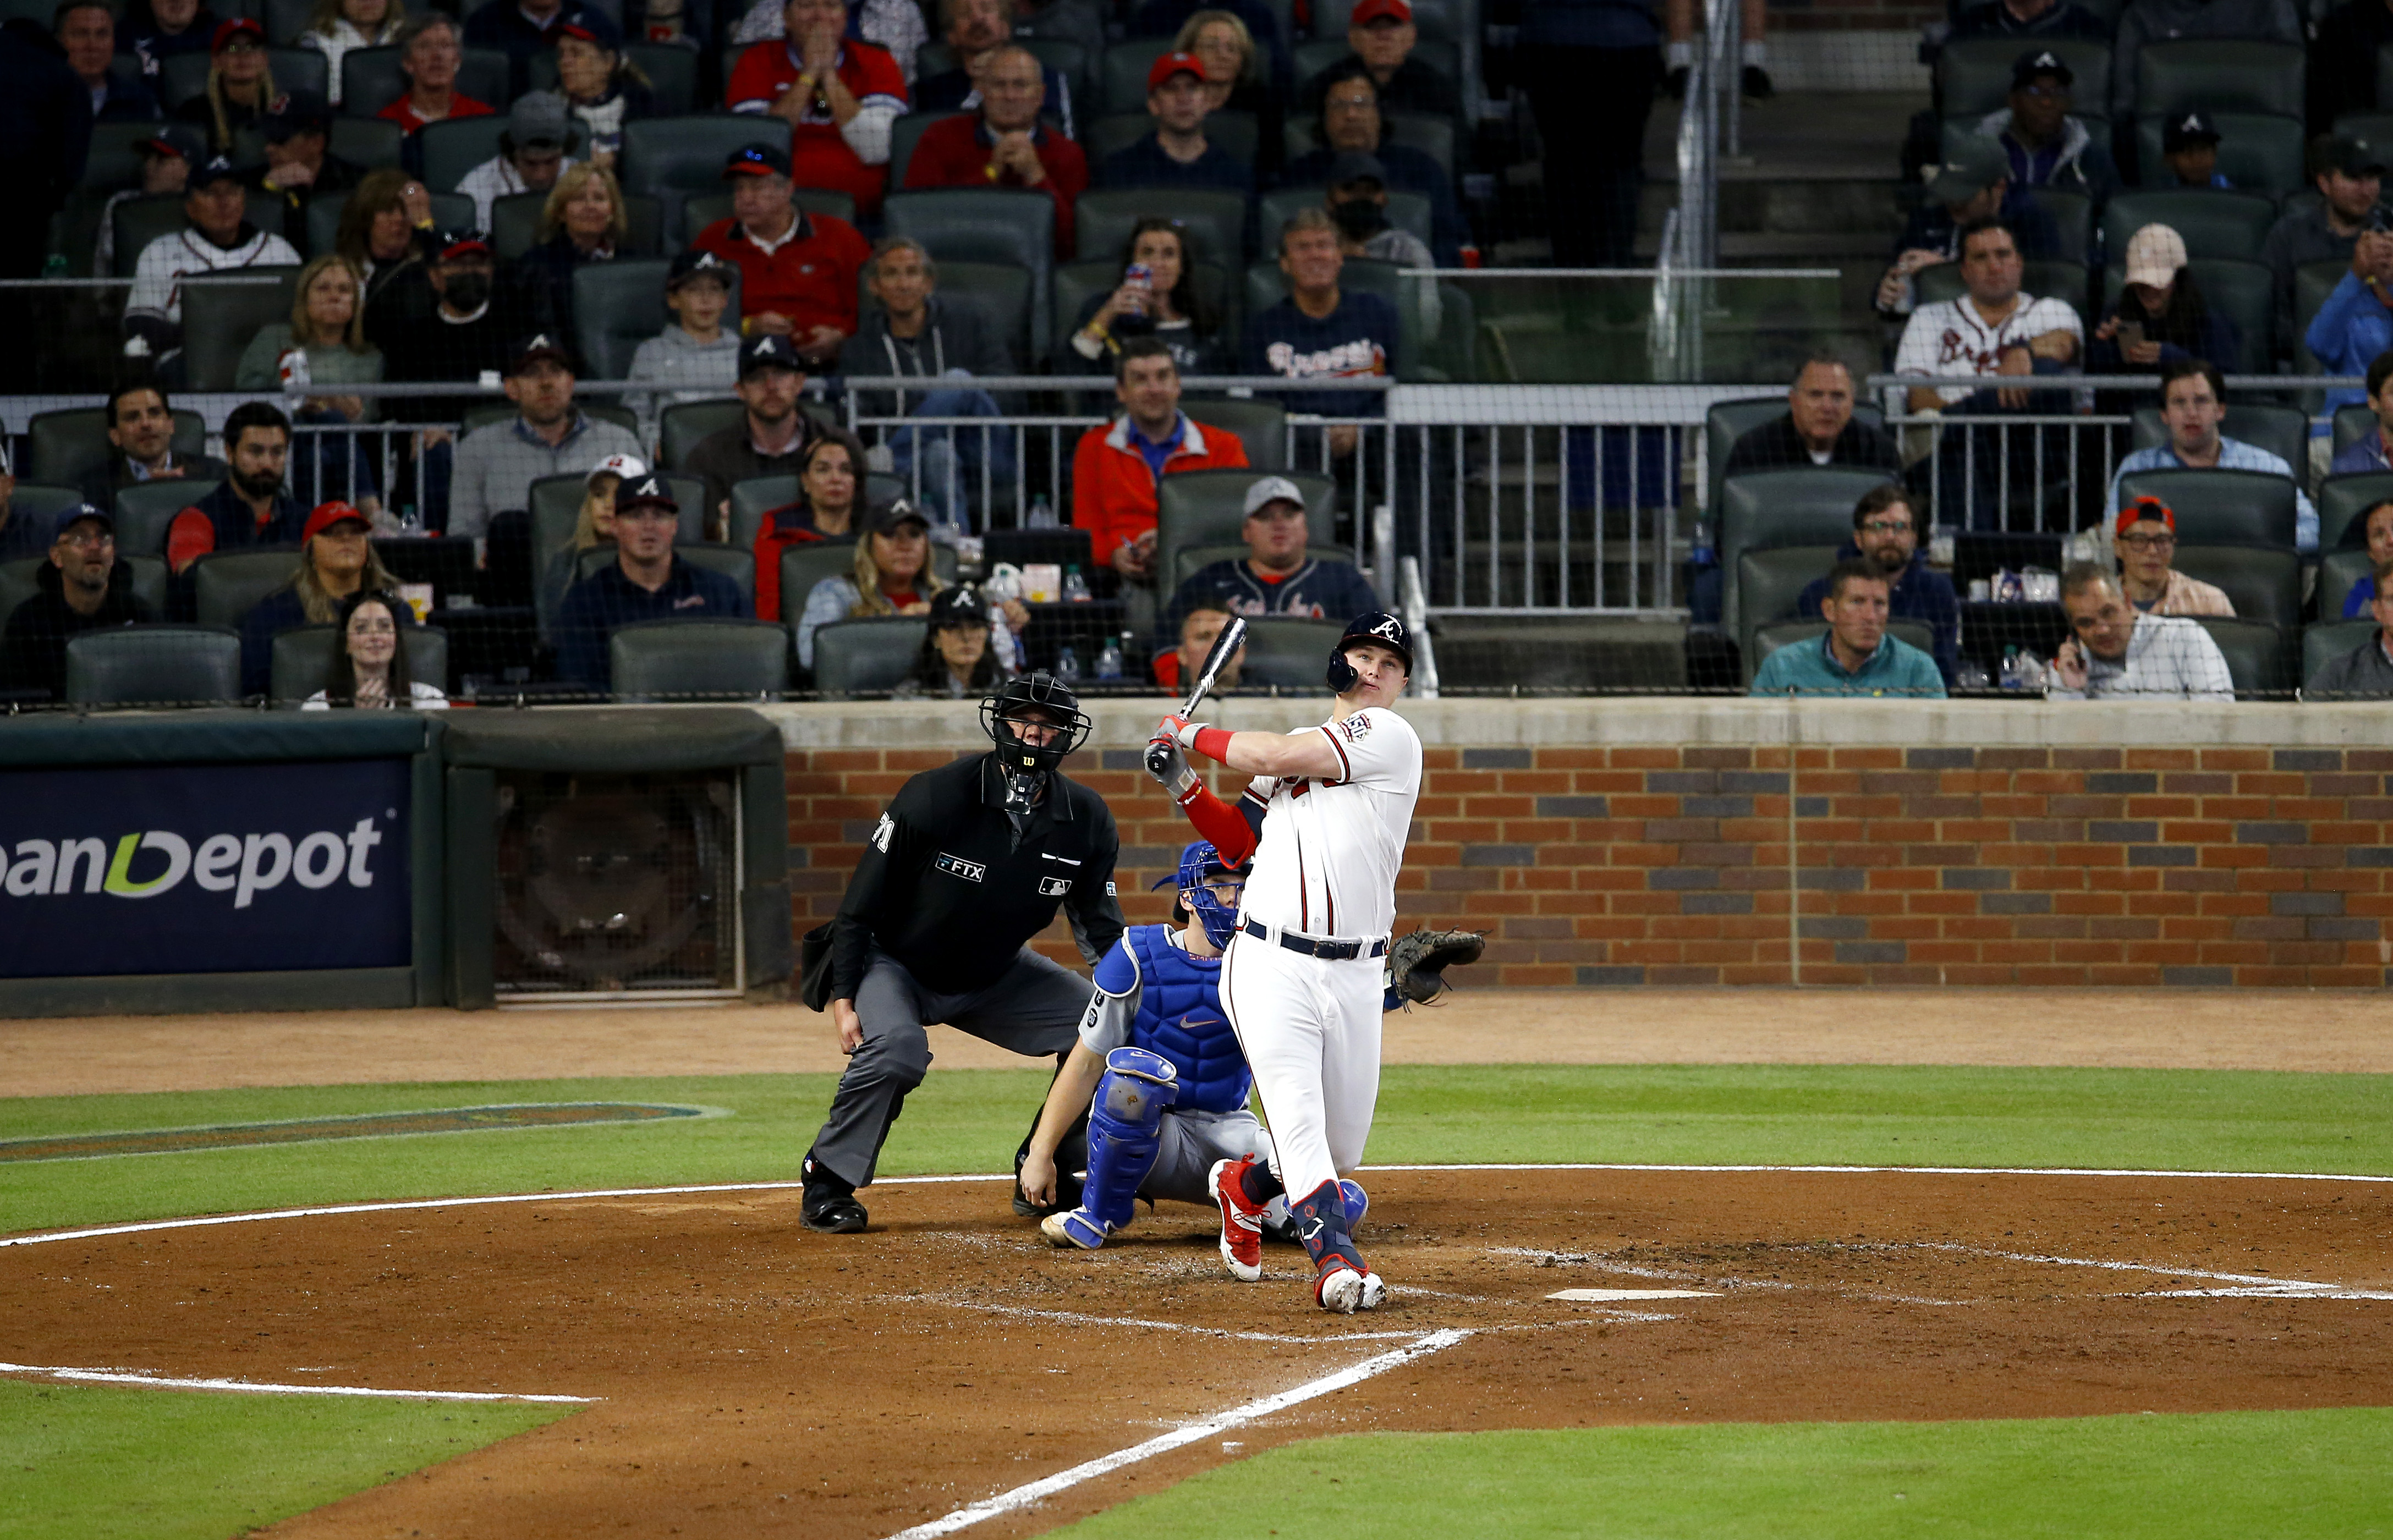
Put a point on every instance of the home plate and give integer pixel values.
(1600, 1295)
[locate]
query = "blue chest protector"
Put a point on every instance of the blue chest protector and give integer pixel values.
(1179, 1016)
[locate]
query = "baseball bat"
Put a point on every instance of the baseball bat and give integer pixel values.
(1225, 647)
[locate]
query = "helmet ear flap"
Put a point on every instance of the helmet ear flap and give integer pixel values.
(1342, 673)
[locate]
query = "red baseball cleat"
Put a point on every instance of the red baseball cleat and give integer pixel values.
(1242, 1222)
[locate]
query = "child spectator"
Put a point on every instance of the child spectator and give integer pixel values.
(697, 354)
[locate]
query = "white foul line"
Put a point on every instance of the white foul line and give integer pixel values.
(1022, 1496)
(1075, 1318)
(133, 1377)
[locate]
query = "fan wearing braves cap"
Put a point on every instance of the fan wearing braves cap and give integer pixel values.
(645, 581)
(797, 270)
(2189, 149)
(84, 586)
(967, 864)
(217, 238)
(240, 87)
(697, 353)
(770, 438)
(548, 436)
(1326, 816)
(1176, 153)
(2044, 142)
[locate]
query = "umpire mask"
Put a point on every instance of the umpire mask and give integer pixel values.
(1034, 720)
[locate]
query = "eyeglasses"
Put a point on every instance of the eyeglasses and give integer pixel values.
(2147, 543)
(374, 628)
(1888, 526)
(89, 538)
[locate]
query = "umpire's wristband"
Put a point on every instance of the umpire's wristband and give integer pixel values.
(1211, 742)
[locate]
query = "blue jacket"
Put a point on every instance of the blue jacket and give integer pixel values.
(2350, 329)
(1359, 337)
(1808, 668)
(599, 605)
(1921, 593)
(1145, 165)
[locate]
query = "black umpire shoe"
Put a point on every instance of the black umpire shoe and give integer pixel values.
(828, 1204)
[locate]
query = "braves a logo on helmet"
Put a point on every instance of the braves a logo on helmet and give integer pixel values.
(1389, 630)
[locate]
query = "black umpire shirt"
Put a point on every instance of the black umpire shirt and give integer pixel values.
(952, 889)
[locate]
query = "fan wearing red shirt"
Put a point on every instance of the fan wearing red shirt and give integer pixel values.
(430, 57)
(797, 271)
(1117, 470)
(838, 94)
(1005, 145)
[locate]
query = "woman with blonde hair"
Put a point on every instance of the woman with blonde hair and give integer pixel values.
(593, 528)
(336, 26)
(1237, 78)
(583, 221)
(326, 329)
(337, 559)
(891, 575)
(240, 86)
(385, 226)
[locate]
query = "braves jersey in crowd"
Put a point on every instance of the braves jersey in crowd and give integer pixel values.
(1318, 590)
(165, 262)
(1358, 338)
(1151, 994)
(1950, 337)
(1330, 850)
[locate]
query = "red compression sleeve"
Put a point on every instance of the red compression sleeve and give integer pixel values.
(1213, 743)
(1220, 823)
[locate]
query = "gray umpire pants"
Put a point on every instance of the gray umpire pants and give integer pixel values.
(1034, 1008)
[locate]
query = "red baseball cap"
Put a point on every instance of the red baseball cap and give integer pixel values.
(1379, 10)
(239, 26)
(2142, 509)
(1169, 65)
(326, 515)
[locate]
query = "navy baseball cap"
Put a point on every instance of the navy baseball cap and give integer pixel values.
(543, 349)
(691, 263)
(2040, 62)
(179, 139)
(887, 520)
(644, 491)
(74, 514)
(1357, 165)
(768, 352)
(294, 113)
(460, 243)
(592, 25)
(756, 159)
(215, 168)
(2186, 130)
(960, 608)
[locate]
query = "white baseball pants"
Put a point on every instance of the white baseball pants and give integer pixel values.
(1311, 1033)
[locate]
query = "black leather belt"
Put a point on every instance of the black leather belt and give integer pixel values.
(1328, 951)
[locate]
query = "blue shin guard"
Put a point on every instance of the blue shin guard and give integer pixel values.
(1125, 1123)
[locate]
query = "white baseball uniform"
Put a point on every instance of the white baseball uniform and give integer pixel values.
(1324, 871)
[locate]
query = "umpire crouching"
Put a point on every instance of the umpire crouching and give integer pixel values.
(966, 866)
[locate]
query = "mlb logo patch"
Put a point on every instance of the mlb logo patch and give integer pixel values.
(1054, 887)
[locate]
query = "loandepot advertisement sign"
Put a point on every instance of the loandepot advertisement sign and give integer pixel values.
(206, 868)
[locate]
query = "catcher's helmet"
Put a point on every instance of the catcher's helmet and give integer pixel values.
(1377, 627)
(1199, 865)
(1033, 697)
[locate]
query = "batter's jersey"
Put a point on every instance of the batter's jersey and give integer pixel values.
(1330, 850)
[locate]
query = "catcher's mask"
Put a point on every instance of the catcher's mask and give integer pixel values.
(1379, 628)
(1032, 700)
(1201, 865)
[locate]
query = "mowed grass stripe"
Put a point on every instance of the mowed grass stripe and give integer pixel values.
(2210, 1476)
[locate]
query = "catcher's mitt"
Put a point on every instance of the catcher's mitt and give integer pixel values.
(1416, 962)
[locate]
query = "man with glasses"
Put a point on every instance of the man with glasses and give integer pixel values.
(2146, 538)
(2193, 403)
(84, 588)
(2115, 650)
(645, 581)
(2044, 144)
(1350, 124)
(1886, 538)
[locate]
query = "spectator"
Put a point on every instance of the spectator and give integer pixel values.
(240, 86)
(1753, 76)
(1382, 35)
(838, 96)
(645, 581)
(891, 576)
(2043, 142)
(1357, 201)
(386, 229)
(520, 31)
(430, 53)
(2032, 19)
(141, 447)
(449, 320)
(974, 31)
(1165, 304)
(957, 662)
(915, 333)
(1320, 332)
(2193, 402)
(2170, 20)
(593, 527)
(697, 354)
(251, 506)
(1237, 79)
(797, 270)
(1885, 538)
(604, 89)
(370, 668)
(168, 158)
(155, 31)
(1819, 428)
(21, 534)
(770, 438)
(336, 562)
(336, 26)
(86, 30)
(830, 496)
(1170, 18)
(1275, 575)
(1005, 145)
(2146, 538)
(84, 587)
(1856, 657)
(1176, 153)
(1350, 124)
(2343, 61)
(584, 221)
(1971, 189)
(2159, 316)
(896, 25)
(2189, 149)
(549, 435)
(1589, 68)
(2371, 451)
(2366, 671)
(300, 166)
(2373, 529)
(1118, 469)
(1198, 628)
(2348, 174)
(327, 326)
(532, 155)
(2353, 327)
(217, 238)
(2116, 649)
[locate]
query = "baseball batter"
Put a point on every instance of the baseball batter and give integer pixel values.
(1302, 976)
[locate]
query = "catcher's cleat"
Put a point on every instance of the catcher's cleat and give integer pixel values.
(1242, 1222)
(1339, 1288)
(1073, 1228)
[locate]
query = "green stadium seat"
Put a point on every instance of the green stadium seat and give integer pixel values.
(904, 135)
(2341, 498)
(142, 220)
(2353, 423)
(449, 211)
(19, 579)
(2339, 573)
(695, 659)
(685, 155)
(1974, 74)
(2329, 640)
(62, 445)
(2257, 655)
(373, 143)
(1209, 508)
(993, 224)
(1217, 220)
(154, 665)
(1726, 422)
(2221, 508)
(221, 316)
(228, 585)
(1560, 653)
(302, 659)
(1809, 505)
(1769, 583)
(868, 657)
(2214, 222)
(144, 513)
(1261, 426)
(2219, 75)
(2262, 585)
(1123, 76)
(617, 305)
(2282, 431)
(2258, 151)
(1289, 654)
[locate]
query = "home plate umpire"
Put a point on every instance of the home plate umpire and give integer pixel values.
(970, 861)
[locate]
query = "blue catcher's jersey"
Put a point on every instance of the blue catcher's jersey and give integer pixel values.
(1174, 1010)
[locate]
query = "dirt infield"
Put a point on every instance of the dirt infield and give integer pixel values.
(2298, 1029)
(758, 1379)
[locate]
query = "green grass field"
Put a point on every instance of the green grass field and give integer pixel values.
(80, 1462)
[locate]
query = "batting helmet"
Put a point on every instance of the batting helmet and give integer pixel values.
(1039, 699)
(1380, 628)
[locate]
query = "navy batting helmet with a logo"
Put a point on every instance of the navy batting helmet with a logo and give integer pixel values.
(1379, 628)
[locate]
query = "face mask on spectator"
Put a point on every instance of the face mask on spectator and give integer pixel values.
(468, 291)
(1359, 218)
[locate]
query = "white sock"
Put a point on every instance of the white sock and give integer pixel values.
(1755, 53)
(1680, 56)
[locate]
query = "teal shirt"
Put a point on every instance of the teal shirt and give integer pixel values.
(1809, 668)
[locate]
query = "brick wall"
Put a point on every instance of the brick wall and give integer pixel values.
(1912, 865)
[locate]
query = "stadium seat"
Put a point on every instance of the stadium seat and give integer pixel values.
(1075, 282)
(115, 158)
(227, 585)
(869, 656)
(19, 579)
(1121, 77)
(2243, 292)
(302, 659)
(680, 426)
(33, 502)
(145, 511)
(1407, 210)
(2353, 423)
(1786, 633)
(2370, 128)
(62, 445)
(1238, 132)
(1974, 74)
(2072, 215)
(904, 134)
(2221, 508)
(1189, 560)
(373, 143)
(142, 220)
(556, 508)
(1572, 653)
(983, 224)
(617, 305)
(752, 498)
(2262, 585)
(2219, 75)
(2061, 280)
(1726, 422)
(1218, 220)
(449, 211)
(2344, 498)
(154, 665)
(1261, 426)
(2257, 655)
(685, 155)
(1288, 653)
(711, 658)
(182, 77)
(2329, 640)
(2258, 151)
(1769, 583)
(371, 80)
(730, 561)
(804, 566)
(1809, 505)
(2214, 222)
(1209, 508)
(455, 146)
(672, 72)
(2282, 431)
(1001, 290)
(1427, 132)
(2339, 573)
(514, 224)
(221, 316)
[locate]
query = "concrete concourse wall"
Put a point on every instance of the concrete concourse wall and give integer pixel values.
(1628, 841)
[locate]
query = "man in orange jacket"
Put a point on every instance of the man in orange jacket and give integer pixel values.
(1117, 470)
